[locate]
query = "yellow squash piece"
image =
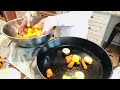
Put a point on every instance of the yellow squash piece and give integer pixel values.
(76, 58)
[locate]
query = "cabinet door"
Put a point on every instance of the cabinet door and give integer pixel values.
(97, 27)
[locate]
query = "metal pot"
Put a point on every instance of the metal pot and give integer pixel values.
(10, 30)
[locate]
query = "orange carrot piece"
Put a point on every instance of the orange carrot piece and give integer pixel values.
(49, 73)
(84, 64)
(78, 63)
(68, 59)
(71, 64)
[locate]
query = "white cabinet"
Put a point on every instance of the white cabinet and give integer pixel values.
(100, 27)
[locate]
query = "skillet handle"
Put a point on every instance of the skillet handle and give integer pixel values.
(36, 50)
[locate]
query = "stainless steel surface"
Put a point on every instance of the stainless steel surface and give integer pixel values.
(10, 29)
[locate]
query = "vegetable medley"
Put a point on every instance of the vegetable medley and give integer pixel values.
(71, 60)
(31, 32)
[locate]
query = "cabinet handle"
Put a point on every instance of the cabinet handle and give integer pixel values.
(91, 17)
(89, 27)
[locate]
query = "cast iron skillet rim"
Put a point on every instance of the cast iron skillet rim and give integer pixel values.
(41, 73)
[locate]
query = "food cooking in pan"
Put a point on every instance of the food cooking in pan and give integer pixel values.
(31, 32)
(72, 59)
(88, 59)
(77, 75)
(76, 59)
(66, 77)
(66, 51)
(49, 73)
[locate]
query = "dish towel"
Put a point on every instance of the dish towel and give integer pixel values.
(20, 57)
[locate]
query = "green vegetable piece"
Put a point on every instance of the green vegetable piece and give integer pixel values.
(66, 51)
(88, 59)
(79, 57)
(66, 77)
(74, 78)
(79, 75)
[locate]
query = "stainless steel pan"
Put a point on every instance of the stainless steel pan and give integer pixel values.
(10, 29)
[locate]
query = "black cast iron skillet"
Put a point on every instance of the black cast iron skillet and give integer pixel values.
(50, 56)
